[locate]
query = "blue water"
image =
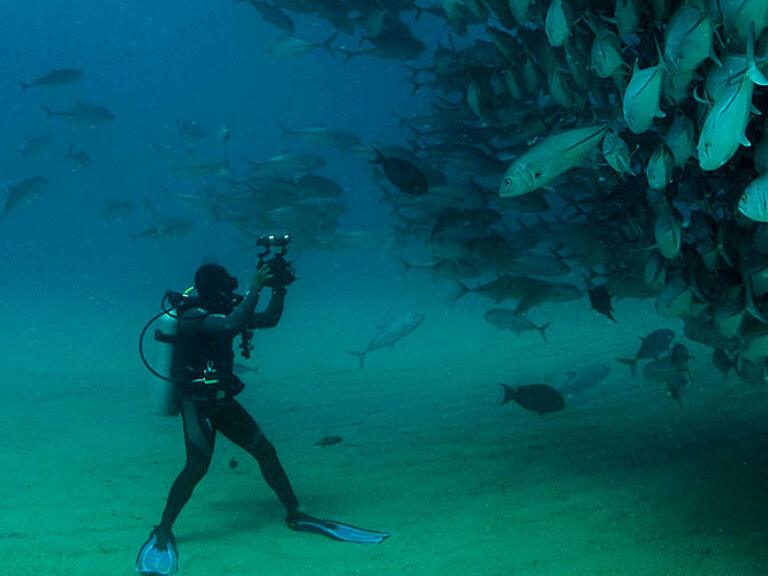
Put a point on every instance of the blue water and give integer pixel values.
(466, 486)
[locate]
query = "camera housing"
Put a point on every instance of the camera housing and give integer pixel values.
(281, 269)
(273, 240)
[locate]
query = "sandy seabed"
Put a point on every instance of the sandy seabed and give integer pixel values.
(622, 482)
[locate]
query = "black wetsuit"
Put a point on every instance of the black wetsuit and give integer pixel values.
(202, 367)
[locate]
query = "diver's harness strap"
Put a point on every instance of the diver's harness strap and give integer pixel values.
(211, 384)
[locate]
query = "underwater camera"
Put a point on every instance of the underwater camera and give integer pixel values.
(282, 270)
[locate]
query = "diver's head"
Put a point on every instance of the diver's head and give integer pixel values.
(214, 285)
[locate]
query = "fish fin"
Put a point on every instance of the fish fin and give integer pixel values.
(509, 393)
(360, 355)
(328, 44)
(753, 72)
(462, 290)
(380, 158)
(542, 329)
(631, 362)
(285, 131)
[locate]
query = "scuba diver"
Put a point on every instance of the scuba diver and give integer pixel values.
(204, 389)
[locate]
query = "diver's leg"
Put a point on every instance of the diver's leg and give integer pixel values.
(235, 423)
(199, 436)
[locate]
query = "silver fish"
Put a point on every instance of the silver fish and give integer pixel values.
(391, 333)
(584, 378)
(518, 323)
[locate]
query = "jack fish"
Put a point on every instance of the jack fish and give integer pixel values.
(23, 192)
(642, 96)
(391, 333)
(549, 159)
(58, 77)
(726, 122)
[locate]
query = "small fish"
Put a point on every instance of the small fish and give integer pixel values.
(391, 333)
(24, 191)
(329, 441)
(78, 161)
(81, 113)
(322, 135)
(32, 146)
(600, 301)
(584, 378)
(291, 47)
(189, 130)
(518, 323)
(114, 209)
(165, 228)
(550, 158)
(534, 397)
(652, 346)
(725, 125)
(404, 175)
(240, 368)
(671, 370)
(58, 77)
(753, 203)
(722, 361)
(642, 97)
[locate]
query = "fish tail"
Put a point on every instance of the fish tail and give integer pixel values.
(753, 72)
(508, 393)
(360, 355)
(406, 265)
(24, 86)
(631, 362)
(462, 290)
(542, 329)
(285, 131)
(379, 156)
(328, 44)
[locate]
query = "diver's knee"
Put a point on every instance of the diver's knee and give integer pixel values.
(264, 449)
(197, 463)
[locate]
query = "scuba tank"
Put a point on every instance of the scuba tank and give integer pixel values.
(163, 397)
(163, 400)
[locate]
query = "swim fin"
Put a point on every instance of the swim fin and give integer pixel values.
(158, 556)
(335, 530)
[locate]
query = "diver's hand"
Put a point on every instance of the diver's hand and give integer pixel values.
(261, 278)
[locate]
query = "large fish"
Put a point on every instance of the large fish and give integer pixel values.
(82, 113)
(404, 175)
(557, 24)
(652, 345)
(58, 77)
(391, 333)
(24, 191)
(642, 97)
(754, 201)
(550, 158)
(688, 39)
(507, 320)
(584, 378)
(538, 398)
(725, 125)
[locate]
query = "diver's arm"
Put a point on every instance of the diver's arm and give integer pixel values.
(272, 313)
